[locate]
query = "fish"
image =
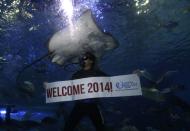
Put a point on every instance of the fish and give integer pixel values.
(169, 25)
(84, 35)
(27, 89)
(3, 60)
(186, 10)
(153, 94)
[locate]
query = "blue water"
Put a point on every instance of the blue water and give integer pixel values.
(153, 35)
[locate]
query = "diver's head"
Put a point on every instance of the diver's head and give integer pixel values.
(87, 61)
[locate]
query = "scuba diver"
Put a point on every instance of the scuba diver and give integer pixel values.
(86, 107)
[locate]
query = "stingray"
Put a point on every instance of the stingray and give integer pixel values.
(160, 95)
(74, 40)
(153, 92)
(145, 74)
(68, 44)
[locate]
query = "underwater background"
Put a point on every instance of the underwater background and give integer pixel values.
(153, 39)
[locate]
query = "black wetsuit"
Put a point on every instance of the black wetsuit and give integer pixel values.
(87, 107)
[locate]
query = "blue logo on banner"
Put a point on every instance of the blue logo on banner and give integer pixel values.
(126, 85)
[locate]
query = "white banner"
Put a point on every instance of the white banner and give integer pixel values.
(93, 87)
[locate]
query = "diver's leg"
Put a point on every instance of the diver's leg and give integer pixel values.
(96, 117)
(74, 118)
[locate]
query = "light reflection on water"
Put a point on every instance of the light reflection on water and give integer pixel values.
(26, 115)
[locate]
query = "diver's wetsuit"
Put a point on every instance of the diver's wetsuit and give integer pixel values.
(87, 107)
